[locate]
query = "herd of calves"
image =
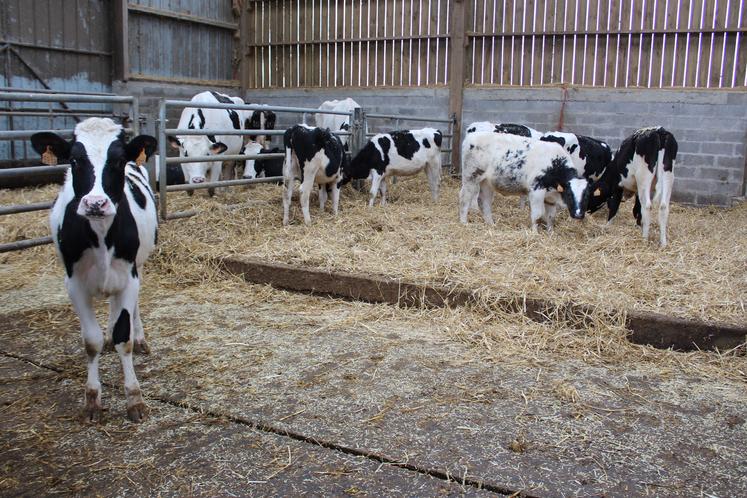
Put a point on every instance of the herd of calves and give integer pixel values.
(104, 224)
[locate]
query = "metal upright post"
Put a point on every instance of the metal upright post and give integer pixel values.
(162, 157)
(357, 131)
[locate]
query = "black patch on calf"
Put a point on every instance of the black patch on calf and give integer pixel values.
(405, 143)
(559, 173)
(368, 158)
(597, 155)
(211, 138)
(221, 98)
(74, 236)
(572, 148)
(438, 138)
(513, 129)
(137, 194)
(637, 210)
(122, 234)
(121, 330)
(82, 170)
(471, 130)
(552, 138)
(426, 143)
(133, 271)
(191, 124)
(271, 167)
(202, 118)
(113, 175)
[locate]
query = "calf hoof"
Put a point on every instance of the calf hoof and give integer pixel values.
(141, 347)
(137, 413)
(92, 412)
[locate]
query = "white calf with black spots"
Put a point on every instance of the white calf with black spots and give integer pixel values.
(517, 165)
(314, 156)
(104, 227)
(336, 122)
(401, 153)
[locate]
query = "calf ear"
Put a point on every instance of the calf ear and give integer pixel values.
(218, 148)
(141, 145)
(174, 142)
(50, 146)
(559, 188)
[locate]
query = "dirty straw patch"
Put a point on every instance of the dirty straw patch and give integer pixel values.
(702, 274)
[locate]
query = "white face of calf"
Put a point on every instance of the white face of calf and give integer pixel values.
(576, 197)
(97, 158)
(250, 148)
(196, 146)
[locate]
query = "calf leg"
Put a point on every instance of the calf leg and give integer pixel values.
(322, 196)
(433, 170)
(536, 207)
(486, 194)
(306, 186)
(93, 341)
(663, 194)
(123, 306)
(288, 179)
(214, 176)
(551, 210)
(335, 198)
(644, 178)
(375, 183)
(383, 189)
(467, 195)
(140, 347)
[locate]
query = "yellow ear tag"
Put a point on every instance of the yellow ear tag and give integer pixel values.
(560, 188)
(48, 157)
(597, 192)
(141, 158)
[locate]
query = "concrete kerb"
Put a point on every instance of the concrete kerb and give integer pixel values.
(646, 328)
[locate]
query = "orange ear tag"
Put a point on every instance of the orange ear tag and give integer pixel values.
(597, 192)
(48, 157)
(141, 158)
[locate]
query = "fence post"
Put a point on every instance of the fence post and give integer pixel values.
(357, 131)
(458, 69)
(161, 164)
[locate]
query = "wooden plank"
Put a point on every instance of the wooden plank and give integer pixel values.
(121, 45)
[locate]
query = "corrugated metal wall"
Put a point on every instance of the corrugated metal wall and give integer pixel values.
(63, 45)
(67, 45)
(183, 40)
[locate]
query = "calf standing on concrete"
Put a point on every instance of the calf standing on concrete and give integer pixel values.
(644, 161)
(314, 156)
(104, 227)
(516, 165)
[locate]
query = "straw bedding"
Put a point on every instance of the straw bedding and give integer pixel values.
(702, 274)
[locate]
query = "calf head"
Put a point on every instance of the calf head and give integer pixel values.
(196, 146)
(575, 194)
(252, 168)
(97, 156)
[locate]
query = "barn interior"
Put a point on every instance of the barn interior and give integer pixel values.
(388, 350)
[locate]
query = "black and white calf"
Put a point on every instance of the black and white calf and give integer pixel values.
(517, 165)
(104, 226)
(644, 162)
(590, 156)
(262, 168)
(314, 156)
(208, 145)
(260, 120)
(401, 153)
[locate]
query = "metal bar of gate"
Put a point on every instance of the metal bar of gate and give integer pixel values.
(16, 172)
(26, 134)
(64, 97)
(408, 118)
(25, 244)
(25, 208)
